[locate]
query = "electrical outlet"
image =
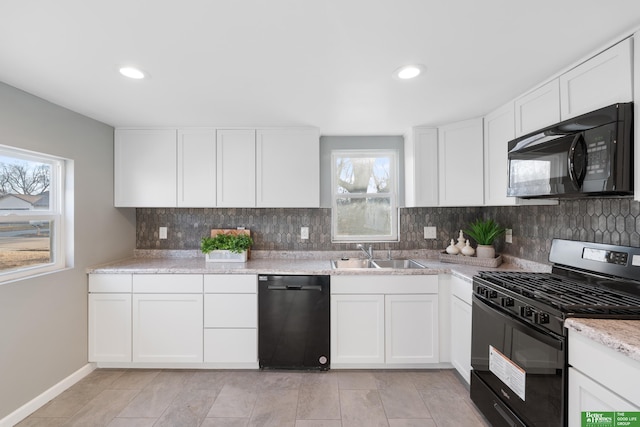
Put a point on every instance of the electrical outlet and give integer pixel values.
(304, 233)
(430, 233)
(508, 235)
(162, 233)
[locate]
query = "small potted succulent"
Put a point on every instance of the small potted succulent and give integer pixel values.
(226, 247)
(484, 232)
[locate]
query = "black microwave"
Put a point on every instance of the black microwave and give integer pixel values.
(587, 156)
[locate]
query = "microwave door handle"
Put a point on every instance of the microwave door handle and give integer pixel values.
(577, 161)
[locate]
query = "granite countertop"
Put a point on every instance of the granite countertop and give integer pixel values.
(622, 336)
(265, 262)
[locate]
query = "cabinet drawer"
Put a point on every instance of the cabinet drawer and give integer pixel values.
(230, 311)
(392, 284)
(230, 283)
(108, 283)
(231, 345)
(462, 289)
(167, 283)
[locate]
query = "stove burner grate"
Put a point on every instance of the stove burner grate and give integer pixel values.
(573, 297)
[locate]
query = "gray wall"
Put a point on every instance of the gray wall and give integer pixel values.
(43, 320)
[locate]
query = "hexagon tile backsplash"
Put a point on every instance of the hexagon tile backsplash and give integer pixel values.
(615, 221)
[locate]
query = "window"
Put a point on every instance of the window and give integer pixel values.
(31, 222)
(364, 187)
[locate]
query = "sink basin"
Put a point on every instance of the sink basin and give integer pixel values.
(376, 263)
(397, 263)
(352, 263)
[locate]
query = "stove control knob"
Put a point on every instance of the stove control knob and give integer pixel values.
(492, 294)
(506, 301)
(525, 311)
(541, 318)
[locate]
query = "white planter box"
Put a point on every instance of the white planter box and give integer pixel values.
(226, 256)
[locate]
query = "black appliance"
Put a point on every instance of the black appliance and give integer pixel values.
(519, 343)
(293, 322)
(588, 155)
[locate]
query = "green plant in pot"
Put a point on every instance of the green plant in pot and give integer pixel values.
(232, 243)
(484, 232)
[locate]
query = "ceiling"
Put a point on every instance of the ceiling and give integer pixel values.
(326, 63)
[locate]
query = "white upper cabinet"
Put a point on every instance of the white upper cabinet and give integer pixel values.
(538, 108)
(236, 168)
(499, 129)
(603, 80)
(145, 168)
(460, 161)
(421, 167)
(288, 168)
(197, 168)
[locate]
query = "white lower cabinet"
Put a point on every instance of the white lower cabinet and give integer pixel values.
(109, 327)
(384, 321)
(357, 329)
(461, 291)
(109, 318)
(600, 379)
(404, 342)
(231, 320)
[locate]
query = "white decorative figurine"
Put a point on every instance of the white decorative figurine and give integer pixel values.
(452, 249)
(468, 250)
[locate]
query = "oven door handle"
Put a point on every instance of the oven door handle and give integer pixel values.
(549, 338)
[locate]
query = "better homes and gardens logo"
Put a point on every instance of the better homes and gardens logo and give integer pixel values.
(610, 419)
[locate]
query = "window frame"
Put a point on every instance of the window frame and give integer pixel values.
(392, 195)
(55, 214)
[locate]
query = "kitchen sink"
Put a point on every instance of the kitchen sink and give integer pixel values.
(397, 263)
(376, 263)
(352, 263)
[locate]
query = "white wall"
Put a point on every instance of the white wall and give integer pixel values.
(43, 320)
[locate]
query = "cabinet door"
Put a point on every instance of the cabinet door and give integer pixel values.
(357, 329)
(603, 80)
(110, 327)
(460, 164)
(197, 168)
(231, 346)
(499, 129)
(145, 168)
(167, 327)
(236, 168)
(421, 164)
(636, 111)
(288, 168)
(538, 108)
(461, 337)
(587, 395)
(411, 329)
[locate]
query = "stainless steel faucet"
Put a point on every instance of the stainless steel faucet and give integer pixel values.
(368, 253)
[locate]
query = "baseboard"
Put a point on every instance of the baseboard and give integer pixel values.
(39, 401)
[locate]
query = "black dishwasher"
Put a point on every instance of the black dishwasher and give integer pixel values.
(293, 322)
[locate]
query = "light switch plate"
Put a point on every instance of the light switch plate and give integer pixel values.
(304, 233)
(508, 235)
(162, 233)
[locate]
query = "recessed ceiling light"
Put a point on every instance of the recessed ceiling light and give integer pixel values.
(407, 72)
(132, 73)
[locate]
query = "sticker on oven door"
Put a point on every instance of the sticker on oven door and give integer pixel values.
(507, 371)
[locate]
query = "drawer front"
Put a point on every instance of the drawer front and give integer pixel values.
(110, 283)
(379, 284)
(231, 283)
(462, 289)
(230, 311)
(167, 283)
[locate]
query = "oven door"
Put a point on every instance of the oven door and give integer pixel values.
(519, 372)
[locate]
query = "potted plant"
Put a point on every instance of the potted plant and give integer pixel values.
(226, 247)
(484, 232)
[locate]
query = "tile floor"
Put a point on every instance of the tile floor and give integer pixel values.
(183, 398)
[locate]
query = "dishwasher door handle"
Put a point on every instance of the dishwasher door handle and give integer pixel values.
(274, 287)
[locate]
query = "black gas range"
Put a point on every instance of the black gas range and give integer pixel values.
(519, 345)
